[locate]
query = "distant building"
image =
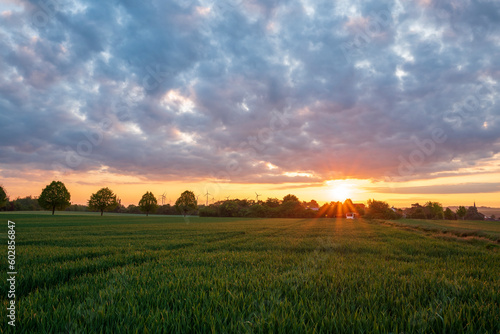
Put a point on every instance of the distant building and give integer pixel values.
(473, 214)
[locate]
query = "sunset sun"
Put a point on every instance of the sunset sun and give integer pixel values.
(340, 190)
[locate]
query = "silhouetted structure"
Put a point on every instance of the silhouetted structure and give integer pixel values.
(473, 214)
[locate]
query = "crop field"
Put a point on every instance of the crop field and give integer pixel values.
(454, 228)
(137, 274)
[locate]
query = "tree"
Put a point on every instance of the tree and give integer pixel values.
(208, 211)
(55, 196)
(290, 208)
(229, 209)
(360, 209)
(166, 209)
(186, 202)
(133, 209)
(461, 211)
(380, 210)
(272, 202)
(148, 203)
(290, 198)
(434, 210)
(416, 212)
(312, 204)
(3, 197)
(27, 203)
(449, 215)
(102, 200)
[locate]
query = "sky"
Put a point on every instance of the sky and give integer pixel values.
(392, 100)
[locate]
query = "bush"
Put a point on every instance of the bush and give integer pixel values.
(208, 211)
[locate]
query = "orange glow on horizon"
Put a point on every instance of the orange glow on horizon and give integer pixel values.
(130, 189)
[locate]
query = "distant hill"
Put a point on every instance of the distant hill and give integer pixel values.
(487, 211)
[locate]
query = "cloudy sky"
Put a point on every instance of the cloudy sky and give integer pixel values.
(396, 100)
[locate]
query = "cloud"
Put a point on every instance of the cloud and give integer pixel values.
(462, 188)
(190, 90)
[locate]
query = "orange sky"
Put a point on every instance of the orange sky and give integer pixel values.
(130, 189)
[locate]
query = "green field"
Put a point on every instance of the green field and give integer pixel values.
(489, 230)
(136, 274)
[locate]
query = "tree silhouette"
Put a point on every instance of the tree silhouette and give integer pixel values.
(102, 200)
(434, 210)
(54, 196)
(186, 202)
(461, 211)
(272, 202)
(148, 203)
(3, 197)
(290, 198)
(380, 210)
(449, 215)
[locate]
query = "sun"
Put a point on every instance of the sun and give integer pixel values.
(340, 191)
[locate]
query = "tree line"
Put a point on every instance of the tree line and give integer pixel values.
(434, 210)
(55, 196)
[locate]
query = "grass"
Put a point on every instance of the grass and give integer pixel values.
(132, 274)
(459, 228)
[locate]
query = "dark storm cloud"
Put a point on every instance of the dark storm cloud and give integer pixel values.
(201, 89)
